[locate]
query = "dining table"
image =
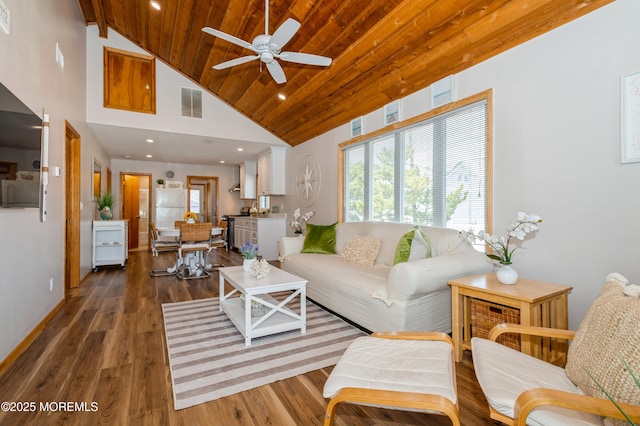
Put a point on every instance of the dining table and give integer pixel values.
(166, 233)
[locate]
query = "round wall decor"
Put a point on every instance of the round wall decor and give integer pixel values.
(169, 174)
(308, 180)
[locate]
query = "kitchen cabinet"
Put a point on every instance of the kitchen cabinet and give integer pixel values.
(248, 180)
(271, 171)
(265, 232)
(110, 242)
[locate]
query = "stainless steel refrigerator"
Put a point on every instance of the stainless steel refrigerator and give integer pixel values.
(171, 205)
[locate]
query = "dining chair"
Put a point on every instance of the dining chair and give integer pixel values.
(217, 242)
(162, 246)
(194, 247)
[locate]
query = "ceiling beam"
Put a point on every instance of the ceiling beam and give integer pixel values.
(101, 19)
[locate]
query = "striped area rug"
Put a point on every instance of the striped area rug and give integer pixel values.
(209, 360)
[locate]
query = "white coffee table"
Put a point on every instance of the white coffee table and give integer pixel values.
(278, 317)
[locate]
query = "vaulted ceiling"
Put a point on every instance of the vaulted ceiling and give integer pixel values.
(381, 50)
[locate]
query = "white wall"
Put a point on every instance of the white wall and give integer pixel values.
(218, 118)
(556, 150)
(32, 252)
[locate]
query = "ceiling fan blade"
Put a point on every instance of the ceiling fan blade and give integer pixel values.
(283, 34)
(276, 72)
(305, 58)
(229, 38)
(234, 62)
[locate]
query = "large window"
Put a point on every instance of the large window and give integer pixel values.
(431, 172)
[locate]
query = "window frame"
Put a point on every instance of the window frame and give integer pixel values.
(486, 96)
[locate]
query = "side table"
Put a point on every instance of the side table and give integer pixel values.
(539, 303)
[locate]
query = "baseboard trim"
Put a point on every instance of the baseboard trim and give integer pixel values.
(26, 342)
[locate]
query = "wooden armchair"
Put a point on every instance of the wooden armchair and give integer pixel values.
(523, 390)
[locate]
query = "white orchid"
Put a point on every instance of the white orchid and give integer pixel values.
(525, 224)
(298, 220)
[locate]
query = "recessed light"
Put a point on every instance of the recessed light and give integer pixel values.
(155, 4)
(127, 156)
(282, 96)
(240, 149)
(222, 161)
(150, 140)
(149, 156)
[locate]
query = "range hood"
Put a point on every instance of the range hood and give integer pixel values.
(235, 188)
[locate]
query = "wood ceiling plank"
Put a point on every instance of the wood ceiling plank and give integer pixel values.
(154, 28)
(180, 31)
(141, 14)
(168, 27)
(128, 11)
(197, 43)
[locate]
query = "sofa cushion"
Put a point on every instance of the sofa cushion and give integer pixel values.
(604, 338)
(413, 245)
(320, 239)
(361, 250)
(503, 374)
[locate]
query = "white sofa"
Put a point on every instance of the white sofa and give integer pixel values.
(408, 296)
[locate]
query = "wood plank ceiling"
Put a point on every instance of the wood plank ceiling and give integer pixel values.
(382, 50)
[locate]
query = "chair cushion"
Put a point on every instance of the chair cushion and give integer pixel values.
(398, 365)
(608, 333)
(361, 250)
(413, 245)
(504, 373)
(320, 239)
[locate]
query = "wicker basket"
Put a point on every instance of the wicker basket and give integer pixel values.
(485, 315)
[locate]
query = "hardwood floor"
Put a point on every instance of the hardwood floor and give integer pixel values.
(106, 348)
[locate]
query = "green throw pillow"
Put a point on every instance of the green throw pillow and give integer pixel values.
(320, 239)
(413, 245)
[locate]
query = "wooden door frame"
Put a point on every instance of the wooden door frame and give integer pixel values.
(73, 147)
(217, 188)
(150, 198)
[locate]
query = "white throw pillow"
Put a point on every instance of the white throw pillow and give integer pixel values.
(413, 245)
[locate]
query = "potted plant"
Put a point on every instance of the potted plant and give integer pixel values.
(160, 182)
(190, 217)
(105, 205)
(249, 252)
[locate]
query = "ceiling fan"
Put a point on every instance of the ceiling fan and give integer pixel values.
(267, 48)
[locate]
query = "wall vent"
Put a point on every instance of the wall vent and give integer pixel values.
(191, 102)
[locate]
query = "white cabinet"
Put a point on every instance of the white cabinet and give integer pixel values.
(110, 240)
(271, 171)
(265, 232)
(248, 180)
(244, 231)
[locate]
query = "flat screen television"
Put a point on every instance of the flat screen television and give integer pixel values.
(20, 153)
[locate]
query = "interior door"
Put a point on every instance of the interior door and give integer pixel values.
(206, 193)
(72, 208)
(131, 207)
